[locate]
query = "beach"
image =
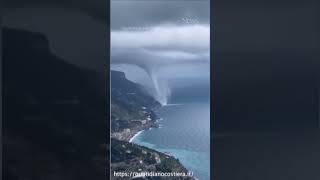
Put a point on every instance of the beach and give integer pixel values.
(135, 135)
(129, 134)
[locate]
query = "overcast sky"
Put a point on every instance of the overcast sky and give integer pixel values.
(152, 13)
(171, 38)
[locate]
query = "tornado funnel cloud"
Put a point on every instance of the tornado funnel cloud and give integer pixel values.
(162, 90)
(157, 48)
(152, 64)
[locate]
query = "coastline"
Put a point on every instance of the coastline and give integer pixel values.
(187, 157)
(129, 134)
(165, 153)
(135, 135)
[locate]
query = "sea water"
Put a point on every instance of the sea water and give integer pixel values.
(184, 132)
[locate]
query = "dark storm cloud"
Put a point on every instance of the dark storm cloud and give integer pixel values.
(72, 35)
(166, 39)
(162, 46)
(156, 34)
(77, 30)
(184, 38)
(266, 68)
(146, 11)
(74, 27)
(151, 13)
(94, 8)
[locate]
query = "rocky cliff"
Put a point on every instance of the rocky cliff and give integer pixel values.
(54, 117)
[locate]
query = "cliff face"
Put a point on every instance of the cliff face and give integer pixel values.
(54, 113)
(131, 107)
(125, 91)
(132, 110)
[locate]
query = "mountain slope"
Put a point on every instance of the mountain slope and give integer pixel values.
(54, 113)
(132, 110)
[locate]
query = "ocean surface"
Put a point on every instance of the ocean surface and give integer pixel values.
(184, 132)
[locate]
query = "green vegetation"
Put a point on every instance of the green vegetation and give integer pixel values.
(132, 110)
(129, 157)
